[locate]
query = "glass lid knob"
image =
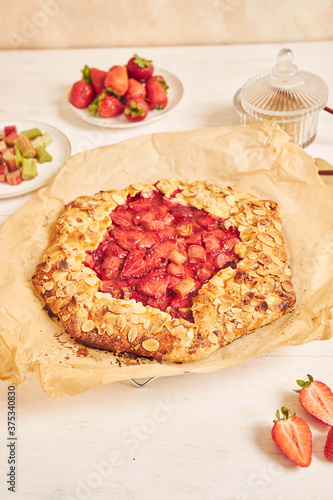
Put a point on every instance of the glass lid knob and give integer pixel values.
(285, 69)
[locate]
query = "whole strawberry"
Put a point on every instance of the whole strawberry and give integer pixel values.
(136, 109)
(116, 80)
(82, 94)
(293, 436)
(317, 399)
(106, 106)
(135, 89)
(328, 450)
(97, 79)
(156, 95)
(139, 68)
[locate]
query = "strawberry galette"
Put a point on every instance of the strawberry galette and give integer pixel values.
(171, 271)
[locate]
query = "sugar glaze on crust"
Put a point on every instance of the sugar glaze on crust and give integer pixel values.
(232, 303)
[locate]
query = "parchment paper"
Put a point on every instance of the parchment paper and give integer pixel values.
(257, 158)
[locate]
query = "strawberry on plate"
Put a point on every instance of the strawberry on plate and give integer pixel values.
(82, 94)
(139, 68)
(136, 109)
(135, 89)
(156, 95)
(328, 450)
(317, 399)
(293, 436)
(116, 81)
(97, 79)
(106, 106)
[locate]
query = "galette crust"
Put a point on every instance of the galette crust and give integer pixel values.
(233, 303)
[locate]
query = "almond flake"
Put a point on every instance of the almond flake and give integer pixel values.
(105, 196)
(65, 317)
(190, 334)
(99, 216)
(286, 270)
(247, 308)
(138, 310)
(132, 334)
(263, 306)
(146, 324)
(230, 200)
(287, 286)
(102, 295)
(59, 275)
(266, 239)
(94, 227)
(150, 345)
(88, 325)
(212, 338)
(117, 309)
(229, 336)
(117, 199)
(259, 212)
(121, 322)
(255, 302)
(225, 306)
(277, 225)
(275, 260)
(210, 202)
(48, 285)
(91, 280)
(75, 266)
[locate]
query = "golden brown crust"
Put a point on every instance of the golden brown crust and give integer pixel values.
(234, 302)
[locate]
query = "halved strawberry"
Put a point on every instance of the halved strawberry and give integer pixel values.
(153, 258)
(110, 267)
(212, 243)
(173, 281)
(176, 270)
(221, 260)
(196, 253)
(165, 248)
(194, 239)
(128, 238)
(230, 243)
(207, 221)
(155, 287)
(168, 232)
(293, 436)
(97, 79)
(149, 240)
(317, 399)
(328, 450)
(135, 265)
(182, 212)
(122, 216)
(179, 302)
(113, 249)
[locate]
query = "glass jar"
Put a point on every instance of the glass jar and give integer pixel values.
(291, 97)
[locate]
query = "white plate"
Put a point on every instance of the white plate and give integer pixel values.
(59, 149)
(175, 93)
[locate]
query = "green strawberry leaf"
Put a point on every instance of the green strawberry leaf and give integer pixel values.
(86, 74)
(142, 63)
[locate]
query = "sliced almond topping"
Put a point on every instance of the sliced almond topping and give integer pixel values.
(138, 310)
(91, 280)
(117, 309)
(117, 199)
(150, 345)
(121, 322)
(225, 306)
(287, 286)
(102, 295)
(259, 212)
(75, 266)
(48, 285)
(277, 225)
(59, 275)
(81, 296)
(177, 330)
(146, 324)
(247, 308)
(277, 239)
(212, 338)
(62, 238)
(275, 260)
(98, 216)
(132, 334)
(156, 329)
(210, 202)
(65, 317)
(105, 196)
(266, 239)
(230, 200)
(63, 264)
(72, 304)
(286, 270)
(255, 302)
(190, 334)
(94, 227)
(217, 281)
(263, 306)
(88, 325)
(229, 336)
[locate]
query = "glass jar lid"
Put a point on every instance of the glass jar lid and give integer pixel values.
(284, 93)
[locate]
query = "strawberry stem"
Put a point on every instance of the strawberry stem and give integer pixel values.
(304, 383)
(286, 414)
(142, 63)
(86, 74)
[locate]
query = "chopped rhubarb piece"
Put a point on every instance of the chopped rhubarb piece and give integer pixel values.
(14, 178)
(3, 172)
(135, 265)
(28, 151)
(185, 287)
(3, 146)
(122, 216)
(176, 270)
(47, 139)
(196, 253)
(29, 169)
(38, 141)
(221, 260)
(42, 155)
(155, 287)
(9, 129)
(185, 230)
(10, 160)
(32, 133)
(177, 257)
(11, 139)
(18, 154)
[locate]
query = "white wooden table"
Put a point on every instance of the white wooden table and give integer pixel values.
(186, 437)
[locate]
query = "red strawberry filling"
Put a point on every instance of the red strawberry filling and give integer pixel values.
(160, 253)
